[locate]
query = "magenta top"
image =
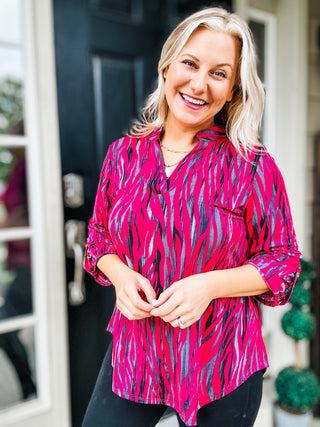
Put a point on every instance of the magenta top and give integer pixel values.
(216, 211)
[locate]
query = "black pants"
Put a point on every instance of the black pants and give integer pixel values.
(237, 409)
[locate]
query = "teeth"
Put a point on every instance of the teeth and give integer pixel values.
(192, 100)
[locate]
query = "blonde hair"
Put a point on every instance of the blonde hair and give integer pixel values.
(242, 115)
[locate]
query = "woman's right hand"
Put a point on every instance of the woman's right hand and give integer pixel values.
(131, 288)
(134, 293)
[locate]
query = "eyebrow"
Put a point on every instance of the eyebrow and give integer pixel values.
(226, 64)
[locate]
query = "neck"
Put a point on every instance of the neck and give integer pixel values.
(180, 137)
(173, 137)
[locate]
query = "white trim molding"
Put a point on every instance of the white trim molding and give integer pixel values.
(241, 8)
(269, 21)
(291, 106)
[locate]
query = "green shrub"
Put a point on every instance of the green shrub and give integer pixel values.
(298, 390)
(306, 273)
(300, 296)
(298, 324)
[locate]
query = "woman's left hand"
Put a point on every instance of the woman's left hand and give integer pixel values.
(186, 300)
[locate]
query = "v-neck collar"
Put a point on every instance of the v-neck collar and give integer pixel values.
(204, 137)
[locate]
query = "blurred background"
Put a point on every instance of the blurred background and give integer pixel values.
(73, 75)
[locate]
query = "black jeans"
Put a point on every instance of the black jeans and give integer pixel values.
(237, 409)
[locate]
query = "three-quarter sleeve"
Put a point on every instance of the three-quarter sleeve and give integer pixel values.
(99, 241)
(271, 237)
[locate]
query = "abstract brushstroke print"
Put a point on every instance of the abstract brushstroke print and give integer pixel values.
(216, 211)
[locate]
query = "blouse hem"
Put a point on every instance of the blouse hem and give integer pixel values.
(228, 390)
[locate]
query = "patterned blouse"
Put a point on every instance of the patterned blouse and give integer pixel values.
(216, 211)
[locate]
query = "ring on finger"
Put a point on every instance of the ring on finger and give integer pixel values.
(181, 324)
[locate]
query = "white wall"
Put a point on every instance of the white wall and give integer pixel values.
(313, 121)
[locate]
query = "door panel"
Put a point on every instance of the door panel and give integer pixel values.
(114, 5)
(112, 76)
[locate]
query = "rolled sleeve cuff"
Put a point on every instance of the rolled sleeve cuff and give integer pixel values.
(92, 255)
(280, 276)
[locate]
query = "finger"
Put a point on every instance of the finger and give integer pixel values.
(165, 295)
(182, 324)
(173, 315)
(166, 308)
(175, 324)
(135, 299)
(143, 305)
(131, 312)
(134, 316)
(123, 310)
(130, 300)
(148, 290)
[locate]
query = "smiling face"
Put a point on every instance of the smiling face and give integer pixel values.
(201, 79)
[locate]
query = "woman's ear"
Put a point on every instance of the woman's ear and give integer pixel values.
(165, 72)
(229, 99)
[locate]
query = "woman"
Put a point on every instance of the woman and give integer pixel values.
(192, 227)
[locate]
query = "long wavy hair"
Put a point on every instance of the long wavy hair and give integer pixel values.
(241, 117)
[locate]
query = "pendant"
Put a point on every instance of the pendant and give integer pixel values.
(167, 171)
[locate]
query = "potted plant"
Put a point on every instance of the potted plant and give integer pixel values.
(297, 387)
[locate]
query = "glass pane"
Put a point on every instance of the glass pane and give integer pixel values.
(10, 20)
(11, 89)
(17, 367)
(13, 188)
(15, 279)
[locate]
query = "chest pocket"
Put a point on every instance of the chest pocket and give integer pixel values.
(236, 214)
(231, 221)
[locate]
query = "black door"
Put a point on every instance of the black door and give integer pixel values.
(106, 62)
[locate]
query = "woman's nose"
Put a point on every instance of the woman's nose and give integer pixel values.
(199, 82)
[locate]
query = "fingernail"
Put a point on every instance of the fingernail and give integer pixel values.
(154, 302)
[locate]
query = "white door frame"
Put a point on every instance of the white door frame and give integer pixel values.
(51, 407)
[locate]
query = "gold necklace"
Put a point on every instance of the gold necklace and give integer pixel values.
(167, 168)
(174, 151)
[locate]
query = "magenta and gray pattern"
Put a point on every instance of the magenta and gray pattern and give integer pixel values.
(216, 211)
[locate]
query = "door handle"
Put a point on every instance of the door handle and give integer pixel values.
(75, 241)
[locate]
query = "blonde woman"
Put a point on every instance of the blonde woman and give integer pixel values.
(192, 227)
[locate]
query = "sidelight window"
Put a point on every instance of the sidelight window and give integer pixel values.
(22, 322)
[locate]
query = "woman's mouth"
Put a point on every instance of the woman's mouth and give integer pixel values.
(195, 103)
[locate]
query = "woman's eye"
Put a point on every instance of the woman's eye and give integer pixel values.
(189, 63)
(220, 74)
